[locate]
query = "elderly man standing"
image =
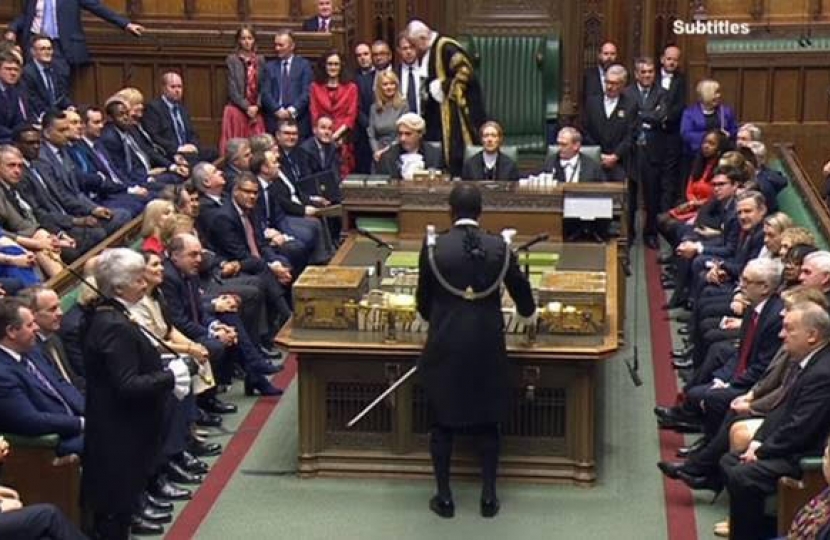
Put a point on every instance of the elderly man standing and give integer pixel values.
(450, 92)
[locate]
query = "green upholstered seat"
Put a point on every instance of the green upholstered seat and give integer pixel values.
(520, 77)
(590, 151)
(510, 151)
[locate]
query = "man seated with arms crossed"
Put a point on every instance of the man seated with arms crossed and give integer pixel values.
(34, 400)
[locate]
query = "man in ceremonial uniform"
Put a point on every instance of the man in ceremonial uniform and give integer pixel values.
(451, 100)
(464, 368)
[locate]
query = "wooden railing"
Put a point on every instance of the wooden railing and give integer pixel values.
(64, 281)
(805, 187)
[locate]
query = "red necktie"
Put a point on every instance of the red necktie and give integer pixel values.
(746, 345)
(249, 236)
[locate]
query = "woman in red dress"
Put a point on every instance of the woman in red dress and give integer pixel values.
(698, 188)
(242, 116)
(333, 95)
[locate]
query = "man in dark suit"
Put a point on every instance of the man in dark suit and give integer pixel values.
(34, 400)
(13, 107)
(45, 305)
(716, 385)
(674, 83)
(56, 166)
(319, 153)
(292, 162)
(365, 80)
(569, 164)
(127, 158)
(410, 153)
(322, 22)
(409, 74)
(795, 428)
(285, 86)
(647, 150)
(46, 87)
(61, 21)
(168, 122)
(593, 80)
(609, 123)
(459, 294)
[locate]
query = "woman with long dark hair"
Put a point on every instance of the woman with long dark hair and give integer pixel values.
(242, 116)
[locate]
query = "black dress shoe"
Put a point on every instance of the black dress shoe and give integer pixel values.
(203, 449)
(665, 259)
(264, 368)
(163, 489)
(683, 331)
(670, 468)
(258, 384)
(680, 426)
(651, 242)
(209, 420)
(443, 507)
(701, 482)
(155, 516)
(214, 405)
(696, 446)
(158, 504)
(490, 507)
(664, 412)
(175, 473)
(668, 284)
(271, 352)
(142, 527)
(683, 363)
(682, 353)
(191, 463)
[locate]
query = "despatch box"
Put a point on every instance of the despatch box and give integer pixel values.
(574, 300)
(322, 293)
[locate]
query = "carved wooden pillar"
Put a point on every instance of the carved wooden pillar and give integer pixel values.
(189, 8)
(572, 61)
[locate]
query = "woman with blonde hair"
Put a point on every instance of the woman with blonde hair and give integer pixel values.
(707, 114)
(389, 105)
(156, 216)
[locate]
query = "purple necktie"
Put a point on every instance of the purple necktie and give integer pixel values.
(44, 382)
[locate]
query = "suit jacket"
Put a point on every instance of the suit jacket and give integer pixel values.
(311, 157)
(390, 161)
(614, 134)
(589, 169)
(92, 172)
(13, 217)
(648, 126)
(591, 83)
(761, 350)
(64, 180)
(207, 213)
(10, 114)
(799, 426)
(721, 216)
(749, 246)
(293, 164)
(473, 168)
(28, 408)
(237, 80)
(53, 208)
(693, 125)
(184, 302)
(300, 77)
(122, 158)
(230, 242)
(128, 390)
(365, 81)
(158, 121)
(70, 29)
(52, 348)
(40, 100)
(675, 101)
(312, 24)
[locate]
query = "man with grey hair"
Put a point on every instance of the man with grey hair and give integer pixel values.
(797, 427)
(449, 81)
(608, 122)
(237, 160)
(815, 272)
(728, 372)
(410, 153)
(569, 164)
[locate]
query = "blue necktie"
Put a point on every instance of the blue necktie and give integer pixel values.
(285, 83)
(44, 382)
(50, 84)
(178, 124)
(49, 25)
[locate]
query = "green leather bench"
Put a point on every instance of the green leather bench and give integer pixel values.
(521, 78)
(508, 150)
(592, 151)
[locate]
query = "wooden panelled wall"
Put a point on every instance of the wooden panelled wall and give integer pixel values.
(786, 92)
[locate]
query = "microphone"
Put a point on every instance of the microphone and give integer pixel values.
(533, 241)
(634, 368)
(374, 238)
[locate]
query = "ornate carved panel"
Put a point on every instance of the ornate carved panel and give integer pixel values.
(505, 17)
(593, 18)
